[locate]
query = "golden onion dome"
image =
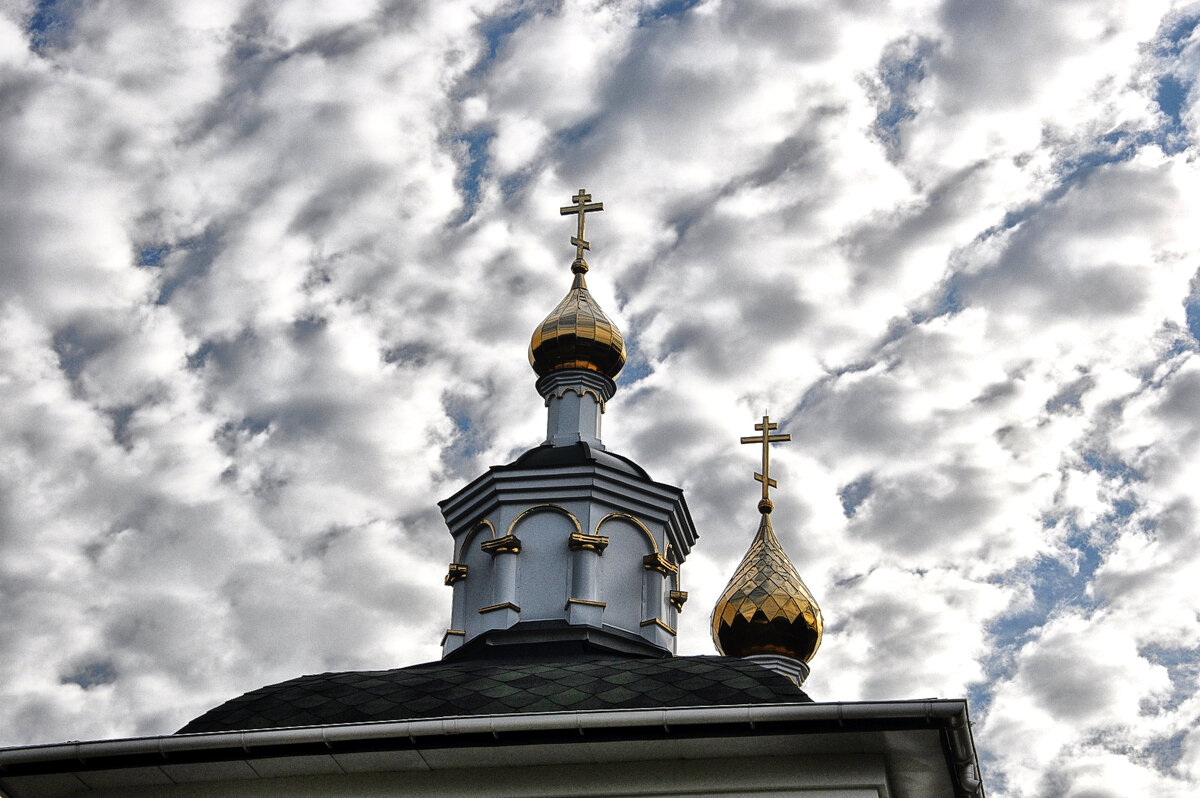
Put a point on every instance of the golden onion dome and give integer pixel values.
(766, 608)
(577, 335)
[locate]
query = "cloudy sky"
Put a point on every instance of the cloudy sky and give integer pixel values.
(268, 272)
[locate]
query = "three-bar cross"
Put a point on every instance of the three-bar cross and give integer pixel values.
(766, 439)
(583, 204)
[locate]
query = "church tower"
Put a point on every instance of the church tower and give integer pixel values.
(570, 547)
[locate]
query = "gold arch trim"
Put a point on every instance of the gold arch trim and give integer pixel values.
(551, 507)
(484, 524)
(632, 520)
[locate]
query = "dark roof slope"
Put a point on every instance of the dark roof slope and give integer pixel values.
(581, 453)
(441, 689)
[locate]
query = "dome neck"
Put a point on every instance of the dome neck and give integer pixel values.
(575, 401)
(790, 667)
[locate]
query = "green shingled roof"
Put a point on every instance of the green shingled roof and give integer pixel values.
(440, 689)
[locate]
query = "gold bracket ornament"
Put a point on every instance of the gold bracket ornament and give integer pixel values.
(766, 439)
(581, 540)
(457, 573)
(657, 562)
(583, 204)
(509, 544)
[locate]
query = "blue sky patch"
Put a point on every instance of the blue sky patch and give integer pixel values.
(1171, 96)
(1172, 91)
(1192, 309)
(1183, 669)
(948, 302)
(902, 68)
(1175, 34)
(1110, 467)
(50, 23)
(669, 9)
(496, 30)
(853, 494)
(199, 357)
(153, 254)
(92, 675)
(120, 418)
(634, 371)
(472, 169)
(1116, 146)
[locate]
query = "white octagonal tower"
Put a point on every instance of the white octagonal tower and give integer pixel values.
(569, 547)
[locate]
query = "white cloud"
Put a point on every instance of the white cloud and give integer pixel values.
(263, 303)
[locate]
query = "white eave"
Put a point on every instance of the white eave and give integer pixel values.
(925, 745)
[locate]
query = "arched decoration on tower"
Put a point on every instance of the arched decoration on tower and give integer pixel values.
(550, 507)
(627, 517)
(470, 576)
(544, 569)
(636, 568)
(475, 530)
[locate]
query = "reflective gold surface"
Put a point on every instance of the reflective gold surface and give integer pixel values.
(766, 608)
(579, 541)
(657, 562)
(661, 624)
(766, 439)
(586, 602)
(458, 572)
(509, 544)
(577, 334)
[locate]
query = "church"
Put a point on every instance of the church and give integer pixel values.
(558, 673)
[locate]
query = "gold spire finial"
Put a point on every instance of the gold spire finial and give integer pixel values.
(583, 204)
(766, 439)
(577, 334)
(766, 608)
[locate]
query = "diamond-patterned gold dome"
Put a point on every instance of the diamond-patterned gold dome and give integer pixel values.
(766, 608)
(577, 335)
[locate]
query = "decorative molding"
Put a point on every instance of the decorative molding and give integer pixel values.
(582, 382)
(678, 599)
(458, 572)
(509, 544)
(659, 623)
(582, 392)
(794, 669)
(586, 602)
(453, 633)
(657, 562)
(508, 605)
(483, 524)
(551, 507)
(583, 541)
(632, 520)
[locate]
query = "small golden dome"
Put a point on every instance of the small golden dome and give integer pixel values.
(577, 335)
(766, 608)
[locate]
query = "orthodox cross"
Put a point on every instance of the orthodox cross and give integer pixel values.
(583, 204)
(766, 439)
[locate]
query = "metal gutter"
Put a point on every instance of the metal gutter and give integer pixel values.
(947, 715)
(952, 713)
